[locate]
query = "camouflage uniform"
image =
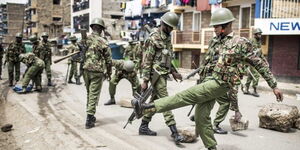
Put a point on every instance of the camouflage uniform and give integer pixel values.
(74, 61)
(97, 66)
(130, 52)
(226, 74)
(257, 46)
(46, 56)
(158, 57)
(34, 70)
(120, 73)
(12, 58)
(1, 56)
(139, 56)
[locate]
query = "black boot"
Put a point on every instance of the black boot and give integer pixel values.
(219, 130)
(11, 83)
(255, 92)
(70, 81)
(177, 138)
(111, 101)
(90, 121)
(247, 91)
(192, 118)
(0, 77)
(49, 82)
(212, 148)
(144, 129)
(78, 81)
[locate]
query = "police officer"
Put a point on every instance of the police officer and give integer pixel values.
(97, 67)
(12, 58)
(253, 75)
(158, 58)
(33, 72)
(124, 69)
(234, 50)
(46, 55)
(74, 47)
(130, 51)
(139, 55)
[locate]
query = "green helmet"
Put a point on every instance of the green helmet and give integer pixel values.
(171, 19)
(72, 38)
(221, 16)
(128, 65)
(98, 21)
(33, 38)
(257, 30)
(19, 35)
(44, 34)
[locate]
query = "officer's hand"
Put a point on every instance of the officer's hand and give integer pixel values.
(177, 76)
(278, 94)
(144, 85)
(237, 116)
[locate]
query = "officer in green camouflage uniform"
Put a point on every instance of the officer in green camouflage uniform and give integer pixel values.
(158, 58)
(256, 42)
(234, 50)
(1, 56)
(33, 72)
(74, 47)
(124, 69)
(12, 58)
(97, 66)
(130, 51)
(139, 56)
(46, 56)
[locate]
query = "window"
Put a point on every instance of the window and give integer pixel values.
(56, 19)
(56, 2)
(81, 22)
(196, 21)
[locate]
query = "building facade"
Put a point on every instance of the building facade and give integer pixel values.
(11, 21)
(52, 16)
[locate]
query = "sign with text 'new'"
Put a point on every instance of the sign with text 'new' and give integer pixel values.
(288, 26)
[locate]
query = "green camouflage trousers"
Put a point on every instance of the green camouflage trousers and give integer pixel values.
(250, 78)
(48, 69)
(73, 70)
(226, 102)
(204, 96)
(135, 84)
(93, 83)
(160, 91)
(13, 67)
(0, 66)
(33, 73)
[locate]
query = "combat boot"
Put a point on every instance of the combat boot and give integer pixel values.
(0, 77)
(255, 92)
(177, 138)
(70, 81)
(78, 81)
(90, 121)
(38, 88)
(219, 130)
(11, 83)
(247, 91)
(212, 148)
(144, 129)
(111, 101)
(192, 118)
(49, 82)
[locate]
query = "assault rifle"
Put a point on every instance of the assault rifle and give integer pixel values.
(144, 96)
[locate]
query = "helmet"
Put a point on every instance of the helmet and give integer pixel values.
(98, 21)
(72, 38)
(257, 30)
(45, 34)
(171, 19)
(19, 35)
(33, 38)
(221, 16)
(128, 65)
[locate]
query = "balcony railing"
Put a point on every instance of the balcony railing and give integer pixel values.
(78, 6)
(279, 9)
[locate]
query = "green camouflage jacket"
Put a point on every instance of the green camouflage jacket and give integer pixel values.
(139, 52)
(235, 51)
(36, 49)
(31, 60)
(98, 55)
(120, 72)
(130, 52)
(45, 51)
(158, 54)
(13, 51)
(74, 48)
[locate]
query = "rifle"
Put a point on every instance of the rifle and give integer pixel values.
(192, 73)
(251, 74)
(144, 96)
(173, 66)
(65, 57)
(66, 79)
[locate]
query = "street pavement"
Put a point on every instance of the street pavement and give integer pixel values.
(54, 119)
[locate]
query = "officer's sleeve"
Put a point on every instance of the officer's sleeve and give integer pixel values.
(149, 58)
(259, 64)
(232, 94)
(108, 59)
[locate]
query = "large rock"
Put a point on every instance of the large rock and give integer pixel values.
(240, 125)
(297, 124)
(279, 117)
(125, 102)
(188, 133)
